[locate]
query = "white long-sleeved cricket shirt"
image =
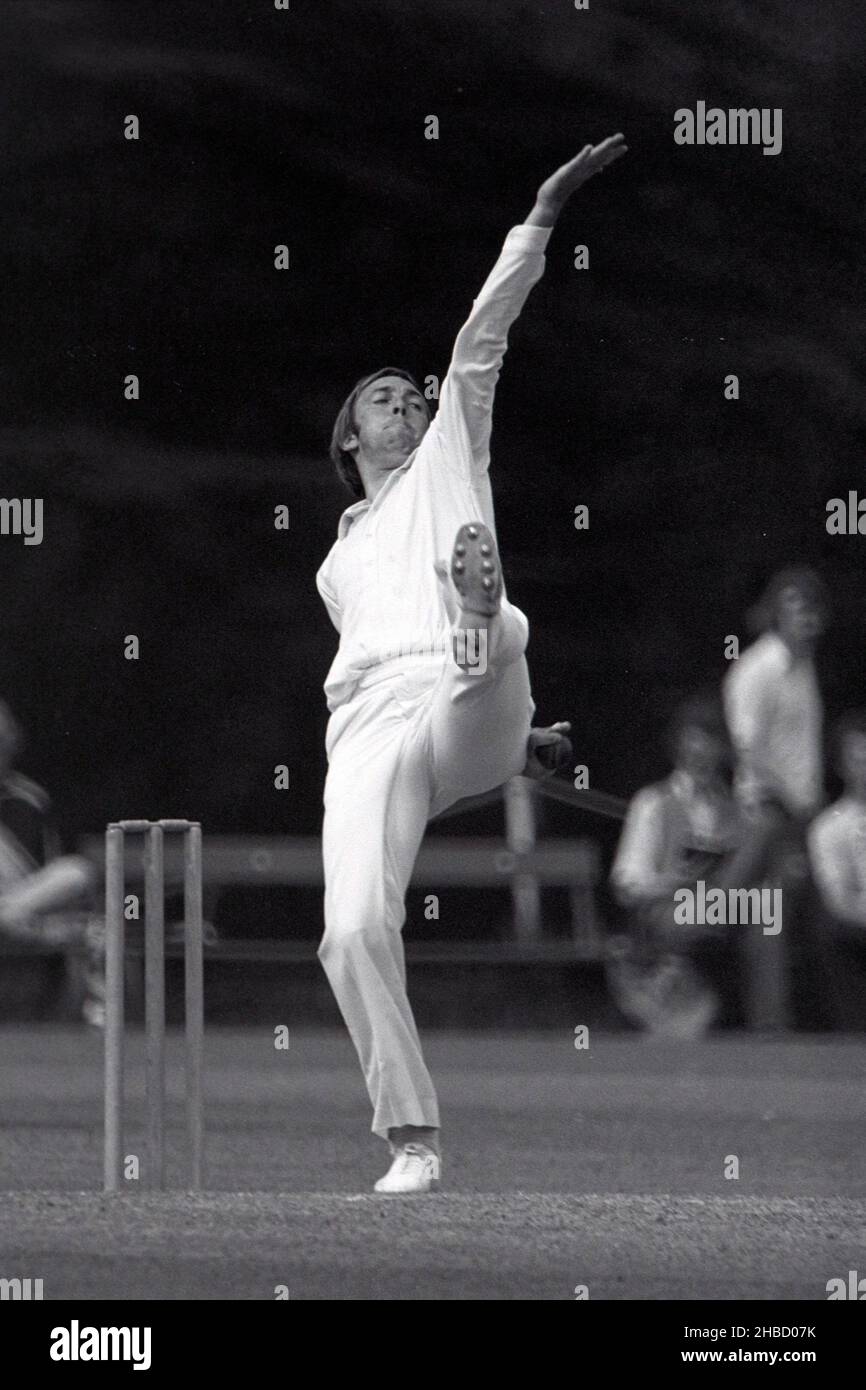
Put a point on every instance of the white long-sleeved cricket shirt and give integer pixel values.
(378, 582)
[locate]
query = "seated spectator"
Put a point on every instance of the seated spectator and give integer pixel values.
(44, 896)
(837, 854)
(678, 831)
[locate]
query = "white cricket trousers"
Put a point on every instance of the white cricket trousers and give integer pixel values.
(416, 735)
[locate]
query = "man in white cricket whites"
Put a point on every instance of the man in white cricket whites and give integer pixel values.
(429, 693)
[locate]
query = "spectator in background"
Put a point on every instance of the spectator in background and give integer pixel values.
(44, 896)
(773, 702)
(837, 853)
(775, 715)
(678, 831)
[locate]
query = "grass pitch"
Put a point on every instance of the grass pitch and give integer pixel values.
(562, 1168)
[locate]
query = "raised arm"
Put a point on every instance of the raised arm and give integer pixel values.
(466, 400)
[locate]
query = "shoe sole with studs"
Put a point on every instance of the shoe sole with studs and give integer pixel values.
(475, 569)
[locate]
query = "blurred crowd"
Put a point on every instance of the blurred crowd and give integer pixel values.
(744, 891)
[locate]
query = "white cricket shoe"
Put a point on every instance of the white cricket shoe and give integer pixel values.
(415, 1169)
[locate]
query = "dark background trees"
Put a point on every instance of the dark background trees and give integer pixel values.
(261, 127)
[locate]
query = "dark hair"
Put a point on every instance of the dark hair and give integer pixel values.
(703, 711)
(808, 584)
(345, 423)
(853, 722)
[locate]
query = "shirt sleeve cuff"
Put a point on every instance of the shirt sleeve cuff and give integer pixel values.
(528, 238)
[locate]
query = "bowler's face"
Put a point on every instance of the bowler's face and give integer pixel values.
(392, 419)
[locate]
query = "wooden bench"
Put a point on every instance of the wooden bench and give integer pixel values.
(464, 862)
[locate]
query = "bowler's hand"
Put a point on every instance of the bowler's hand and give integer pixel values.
(555, 192)
(548, 750)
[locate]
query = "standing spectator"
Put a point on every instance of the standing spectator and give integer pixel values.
(775, 715)
(773, 702)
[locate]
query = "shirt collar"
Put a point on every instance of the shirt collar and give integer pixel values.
(349, 516)
(365, 504)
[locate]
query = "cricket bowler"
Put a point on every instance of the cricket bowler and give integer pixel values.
(429, 693)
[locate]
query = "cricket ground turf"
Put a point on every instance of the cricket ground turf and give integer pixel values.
(602, 1168)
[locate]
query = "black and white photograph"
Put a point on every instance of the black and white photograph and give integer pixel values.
(433, 665)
